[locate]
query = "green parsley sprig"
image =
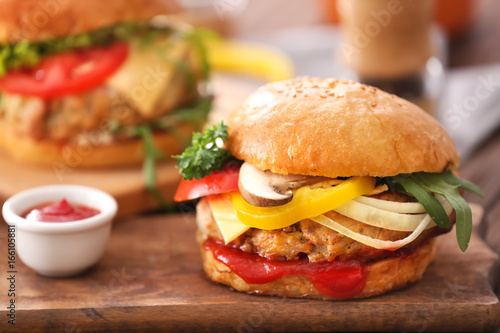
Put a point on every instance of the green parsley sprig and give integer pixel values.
(446, 184)
(204, 155)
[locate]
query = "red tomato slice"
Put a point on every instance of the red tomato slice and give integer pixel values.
(66, 73)
(217, 182)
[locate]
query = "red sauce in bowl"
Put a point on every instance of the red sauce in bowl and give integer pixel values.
(60, 211)
(337, 279)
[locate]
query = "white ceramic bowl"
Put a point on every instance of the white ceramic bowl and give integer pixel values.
(60, 249)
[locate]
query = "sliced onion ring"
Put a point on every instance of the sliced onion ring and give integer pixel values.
(392, 206)
(373, 242)
(381, 218)
(378, 243)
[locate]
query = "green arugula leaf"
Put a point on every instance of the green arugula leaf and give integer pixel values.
(149, 38)
(195, 113)
(431, 204)
(445, 184)
(152, 154)
(450, 178)
(189, 77)
(197, 37)
(204, 155)
(435, 183)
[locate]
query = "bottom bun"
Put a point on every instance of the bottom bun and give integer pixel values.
(382, 276)
(50, 153)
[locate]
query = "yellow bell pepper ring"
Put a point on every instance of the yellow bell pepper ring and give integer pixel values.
(306, 202)
(249, 58)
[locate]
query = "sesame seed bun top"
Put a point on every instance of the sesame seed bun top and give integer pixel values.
(334, 128)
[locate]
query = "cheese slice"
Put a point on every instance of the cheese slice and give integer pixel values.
(225, 217)
(147, 73)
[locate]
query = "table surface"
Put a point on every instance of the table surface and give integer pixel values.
(151, 278)
(483, 168)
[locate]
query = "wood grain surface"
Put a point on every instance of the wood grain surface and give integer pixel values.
(483, 168)
(151, 278)
(126, 184)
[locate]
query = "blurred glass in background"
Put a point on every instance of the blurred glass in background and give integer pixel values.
(453, 16)
(387, 43)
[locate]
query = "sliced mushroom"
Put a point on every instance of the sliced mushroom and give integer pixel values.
(266, 189)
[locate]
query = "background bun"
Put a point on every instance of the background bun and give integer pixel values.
(47, 152)
(36, 20)
(332, 128)
(382, 276)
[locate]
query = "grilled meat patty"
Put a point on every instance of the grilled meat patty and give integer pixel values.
(64, 118)
(318, 242)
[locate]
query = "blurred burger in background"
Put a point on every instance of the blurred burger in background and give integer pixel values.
(111, 81)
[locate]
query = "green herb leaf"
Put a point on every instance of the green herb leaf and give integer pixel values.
(152, 154)
(195, 113)
(450, 178)
(204, 155)
(197, 37)
(435, 183)
(445, 184)
(431, 204)
(183, 67)
(149, 38)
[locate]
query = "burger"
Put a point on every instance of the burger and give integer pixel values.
(98, 83)
(321, 188)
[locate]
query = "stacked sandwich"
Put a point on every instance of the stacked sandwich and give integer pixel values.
(323, 189)
(97, 83)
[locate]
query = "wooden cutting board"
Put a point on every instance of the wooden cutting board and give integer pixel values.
(126, 184)
(150, 278)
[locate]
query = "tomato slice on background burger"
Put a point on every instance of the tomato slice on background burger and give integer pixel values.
(66, 74)
(220, 181)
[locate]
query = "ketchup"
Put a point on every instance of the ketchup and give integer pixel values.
(60, 211)
(336, 279)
